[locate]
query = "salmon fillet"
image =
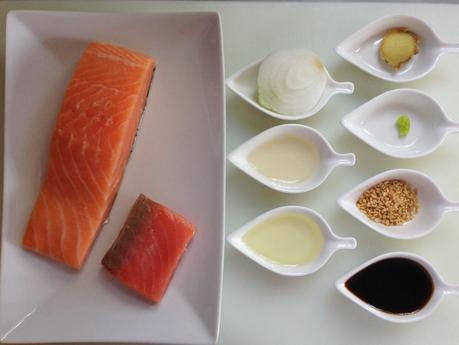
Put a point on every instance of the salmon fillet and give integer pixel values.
(90, 145)
(148, 248)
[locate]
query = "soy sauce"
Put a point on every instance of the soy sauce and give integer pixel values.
(394, 285)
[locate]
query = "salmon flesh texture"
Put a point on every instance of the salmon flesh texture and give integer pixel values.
(148, 248)
(90, 146)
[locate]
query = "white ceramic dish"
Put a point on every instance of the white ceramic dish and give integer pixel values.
(374, 123)
(178, 143)
(328, 158)
(432, 204)
(362, 49)
(332, 242)
(244, 84)
(440, 289)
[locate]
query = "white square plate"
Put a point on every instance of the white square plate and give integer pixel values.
(178, 160)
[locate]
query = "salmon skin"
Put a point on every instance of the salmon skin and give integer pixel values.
(90, 146)
(148, 248)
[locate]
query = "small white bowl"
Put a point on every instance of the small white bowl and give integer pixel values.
(362, 49)
(375, 123)
(432, 204)
(332, 242)
(328, 158)
(244, 84)
(440, 289)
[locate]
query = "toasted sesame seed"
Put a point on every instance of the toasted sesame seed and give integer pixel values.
(390, 202)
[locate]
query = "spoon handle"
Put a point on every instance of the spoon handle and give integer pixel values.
(345, 159)
(344, 87)
(452, 127)
(346, 243)
(452, 289)
(451, 206)
(449, 48)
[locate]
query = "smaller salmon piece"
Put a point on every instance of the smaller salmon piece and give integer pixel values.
(148, 248)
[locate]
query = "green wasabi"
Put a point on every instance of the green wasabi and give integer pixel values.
(403, 124)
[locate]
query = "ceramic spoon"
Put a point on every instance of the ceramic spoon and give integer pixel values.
(332, 242)
(440, 289)
(244, 84)
(362, 49)
(328, 158)
(432, 204)
(375, 123)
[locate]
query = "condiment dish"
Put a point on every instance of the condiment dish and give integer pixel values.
(440, 289)
(332, 242)
(244, 84)
(362, 49)
(375, 123)
(432, 204)
(328, 159)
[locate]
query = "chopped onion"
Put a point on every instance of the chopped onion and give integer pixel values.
(291, 82)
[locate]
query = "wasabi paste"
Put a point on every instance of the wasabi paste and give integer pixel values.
(403, 125)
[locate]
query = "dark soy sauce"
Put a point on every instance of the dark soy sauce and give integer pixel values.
(393, 285)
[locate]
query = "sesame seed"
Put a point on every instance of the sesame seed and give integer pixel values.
(390, 202)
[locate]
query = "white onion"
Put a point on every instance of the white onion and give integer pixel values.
(291, 82)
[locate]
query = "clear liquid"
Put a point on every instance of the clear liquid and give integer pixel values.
(287, 159)
(290, 239)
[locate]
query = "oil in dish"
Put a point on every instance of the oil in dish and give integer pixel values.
(290, 239)
(287, 159)
(394, 285)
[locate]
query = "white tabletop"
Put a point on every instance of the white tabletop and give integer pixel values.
(260, 307)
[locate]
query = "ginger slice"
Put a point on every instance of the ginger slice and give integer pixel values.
(398, 46)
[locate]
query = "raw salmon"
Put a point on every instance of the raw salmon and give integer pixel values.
(148, 248)
(90, 145)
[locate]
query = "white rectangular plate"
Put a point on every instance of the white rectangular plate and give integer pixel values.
(178, 160)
